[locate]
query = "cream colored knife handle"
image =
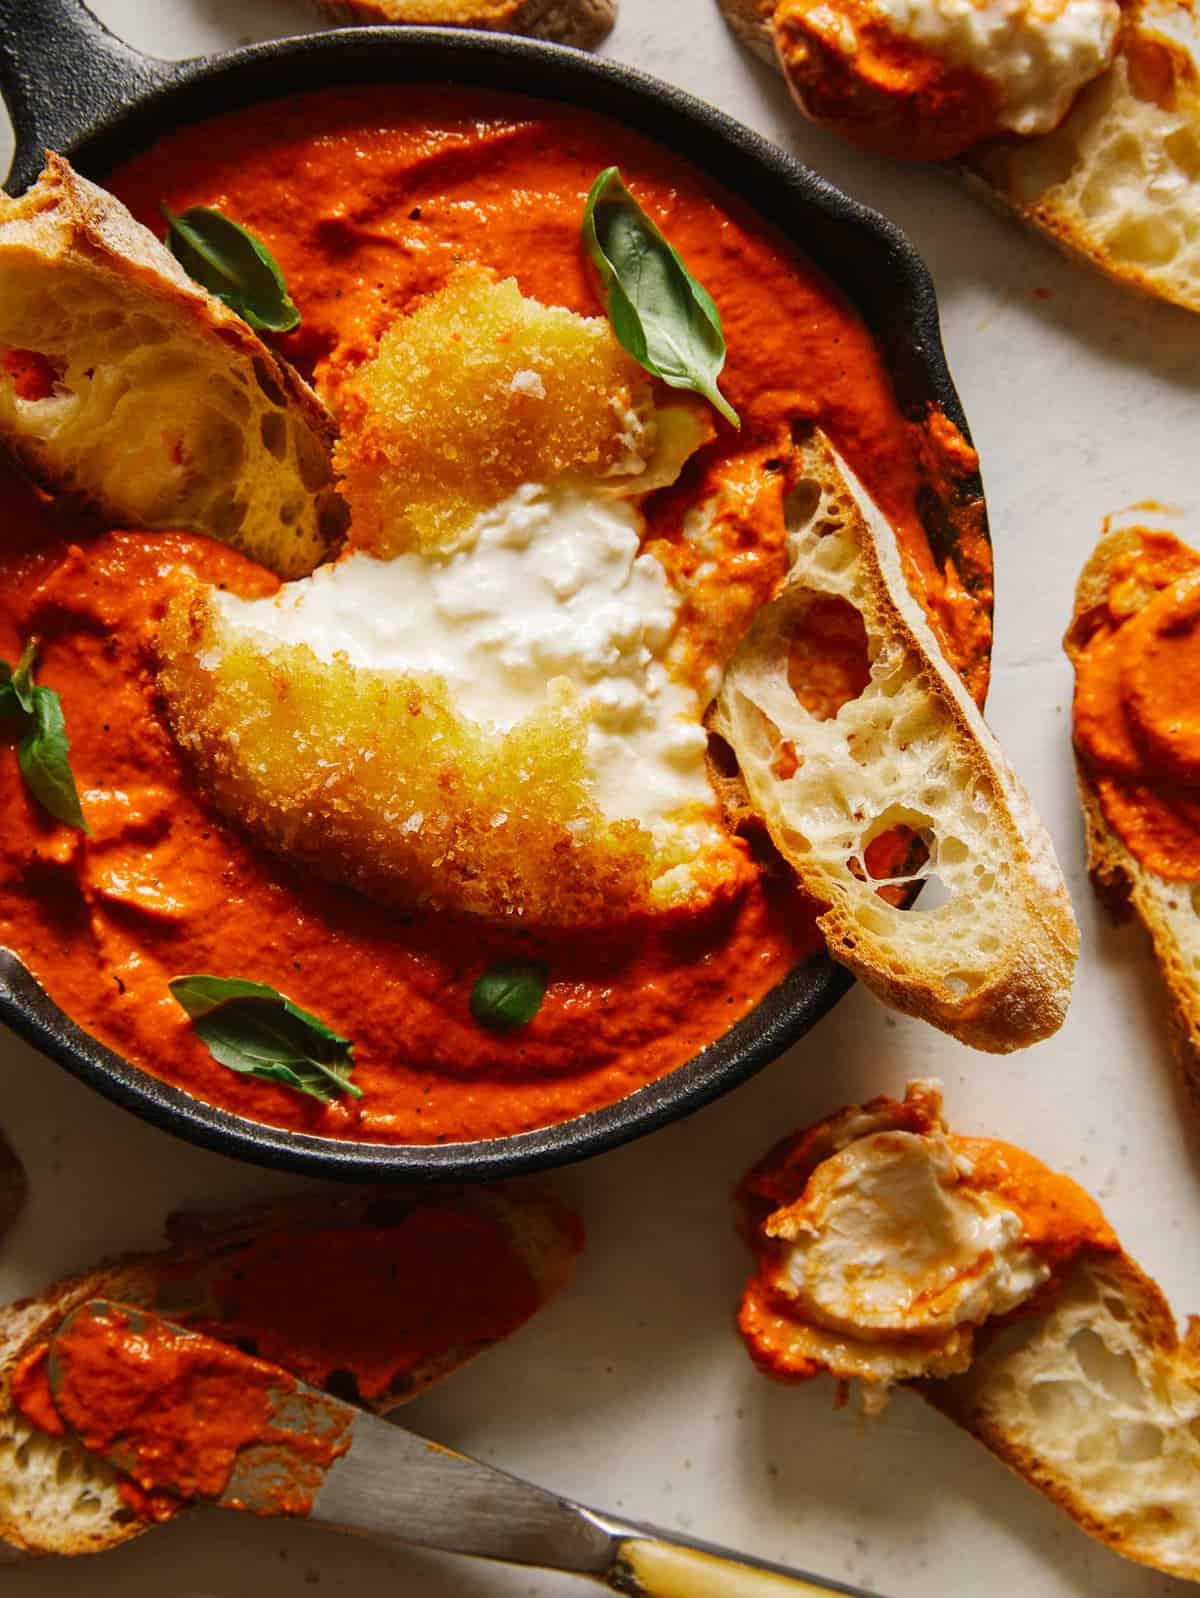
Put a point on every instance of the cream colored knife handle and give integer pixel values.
(652, 1568)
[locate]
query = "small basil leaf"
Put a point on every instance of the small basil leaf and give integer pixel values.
(509, 994)
(659, 313)
(252, 1028)
(226, 258)
(22, 677)
(42, 755)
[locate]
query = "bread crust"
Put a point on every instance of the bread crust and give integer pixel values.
(67, 225)
(751, 21)
(581, 23)
(544, 1233)
(1023, 993)
(1123, 885)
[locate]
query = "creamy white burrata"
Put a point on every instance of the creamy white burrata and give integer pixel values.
(888, 1239)
(1037, 53)
(547, 585)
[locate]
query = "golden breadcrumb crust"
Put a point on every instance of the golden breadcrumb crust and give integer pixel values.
(376, 779)
(474, 393)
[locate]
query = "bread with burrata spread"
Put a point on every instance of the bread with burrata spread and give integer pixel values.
(582, 23)
(1118, 181)
(130, 389)
(373, 1296)
(1165, 904)
(893, 1251)
(1115, 181)
(873, 770)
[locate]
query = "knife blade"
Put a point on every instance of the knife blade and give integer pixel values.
(311, 1456)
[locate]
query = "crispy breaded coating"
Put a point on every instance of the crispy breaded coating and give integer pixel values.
(476, 392)
(378, 777)
(377, 780)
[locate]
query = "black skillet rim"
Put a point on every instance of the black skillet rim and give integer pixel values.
(867, 256)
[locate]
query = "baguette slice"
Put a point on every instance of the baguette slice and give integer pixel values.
(130, 388)
(1117, 183)
(1123, 884)
(1084, 1387)
(1096, 1403)
(582, 23)
(57, 1499)
(993, 964)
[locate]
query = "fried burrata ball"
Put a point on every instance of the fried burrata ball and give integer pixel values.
(481, 389)
(473, 710)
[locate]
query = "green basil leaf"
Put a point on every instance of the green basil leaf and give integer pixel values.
(226, 258)
(256, 1030)
(659, 313)
(21, 680)
(42, 755)
(509, 994)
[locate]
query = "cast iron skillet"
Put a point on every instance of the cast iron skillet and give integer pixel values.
(73, 86)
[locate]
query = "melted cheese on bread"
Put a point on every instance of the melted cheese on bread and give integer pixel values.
(886, 1243)
(888, 1238)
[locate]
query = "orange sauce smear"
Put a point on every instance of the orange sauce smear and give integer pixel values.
(365, 1311)
(179, 1410)
(1137, 710)
(369, 199)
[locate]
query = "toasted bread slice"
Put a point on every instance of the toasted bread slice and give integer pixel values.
(1073, 1374)
(835, 766)
(1095, 1401)
(129, 387)
(1167, 909)
(582, 23)
(56, 1499)
(1117, 183)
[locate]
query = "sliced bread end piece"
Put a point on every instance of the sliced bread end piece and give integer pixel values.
(751, 21)
(895, 748)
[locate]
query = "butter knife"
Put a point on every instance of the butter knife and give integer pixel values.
(339, 1466)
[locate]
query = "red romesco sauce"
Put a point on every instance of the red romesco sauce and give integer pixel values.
(1137, 712)
(369, 199)
(180, 1410)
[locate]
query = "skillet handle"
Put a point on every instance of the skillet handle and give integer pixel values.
(62, 74)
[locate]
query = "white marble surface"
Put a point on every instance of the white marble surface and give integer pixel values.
(632, 1391)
